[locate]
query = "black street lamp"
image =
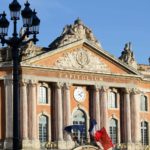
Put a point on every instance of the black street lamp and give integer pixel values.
(31, 25)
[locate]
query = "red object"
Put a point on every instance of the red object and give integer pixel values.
(105, 140)
(98, 135)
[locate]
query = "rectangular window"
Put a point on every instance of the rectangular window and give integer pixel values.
(112, 100)
(143, 104)
(43, 95)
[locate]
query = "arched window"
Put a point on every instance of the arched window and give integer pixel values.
(144, 103)
(43, 97)
(79, 118)
(144, 133)
(112, 100)
(113, 130)
(43, 128)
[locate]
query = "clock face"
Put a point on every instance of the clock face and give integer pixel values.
(79, 94)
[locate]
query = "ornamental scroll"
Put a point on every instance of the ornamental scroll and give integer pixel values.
(81, 59)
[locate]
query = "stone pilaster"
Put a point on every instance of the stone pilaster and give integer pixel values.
(58, 111)
(135, 116)
(127, 115)
(49, 100)
(67, 108)
(8, 113)
(23, 110)
(103, 108)
(33, 142)
(32, 110)
(96, 104)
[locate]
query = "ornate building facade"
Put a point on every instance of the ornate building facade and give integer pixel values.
(70, 82)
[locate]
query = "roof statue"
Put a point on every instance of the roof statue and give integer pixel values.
(127, 56)
(72, 33)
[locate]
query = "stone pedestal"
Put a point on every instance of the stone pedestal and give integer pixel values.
(67, 145)
(30, 145)
(8, 144)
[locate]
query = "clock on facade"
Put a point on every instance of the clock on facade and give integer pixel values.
(79, 94)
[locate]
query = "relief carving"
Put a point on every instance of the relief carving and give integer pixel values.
(72, 33)
(81, 59)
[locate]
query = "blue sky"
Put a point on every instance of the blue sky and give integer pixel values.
(113, 22)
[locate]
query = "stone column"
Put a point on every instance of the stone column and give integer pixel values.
(67, 108)
(127, 115)
(8, 113)
(49, 100)
(96, 104)
(103, 108)
(32, 111)
(23, 110)
(135, 116)
(58, 111)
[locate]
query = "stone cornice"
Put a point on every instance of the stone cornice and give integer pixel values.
(84, 41)
(71, 70)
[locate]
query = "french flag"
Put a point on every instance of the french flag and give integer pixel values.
(94, 130)
(100, 136)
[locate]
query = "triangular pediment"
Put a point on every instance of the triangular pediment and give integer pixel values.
(81, 56)
(81, 59)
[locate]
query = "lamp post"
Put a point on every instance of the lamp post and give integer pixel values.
(31, 25)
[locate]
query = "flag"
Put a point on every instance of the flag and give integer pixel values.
(100, 136)
(74, 127)
(105, 140)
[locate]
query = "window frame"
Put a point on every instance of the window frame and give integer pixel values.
(48, 94)
(111, 130)
(112, 105)
(46, 130)
(144, 127)
(76, 133)
(144, 104)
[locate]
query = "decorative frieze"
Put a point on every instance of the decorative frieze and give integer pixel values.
(81, 59)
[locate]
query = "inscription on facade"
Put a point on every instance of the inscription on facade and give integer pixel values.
(80, 77)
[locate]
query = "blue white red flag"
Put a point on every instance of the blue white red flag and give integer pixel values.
(100, 136)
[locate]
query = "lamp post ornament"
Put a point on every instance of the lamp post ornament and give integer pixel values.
(31, 26)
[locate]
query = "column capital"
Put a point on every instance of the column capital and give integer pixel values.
(23, 82)
(8, 81)
(127, 90)
(59, 85)
(67, 85)
(96, 87)
(32, 82)
(135, 91)
(104, 88)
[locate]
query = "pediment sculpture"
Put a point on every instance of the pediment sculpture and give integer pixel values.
(127, 56)
(72, 33)
(82, 60)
